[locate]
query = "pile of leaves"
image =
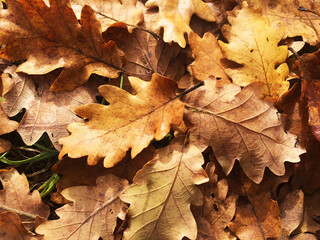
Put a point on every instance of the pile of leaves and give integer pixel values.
(165, 119)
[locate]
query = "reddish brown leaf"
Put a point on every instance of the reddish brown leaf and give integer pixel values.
(129, 122)
(51, 37)
(11, 228)
(45, 111)
(16, 197)
(6, 126)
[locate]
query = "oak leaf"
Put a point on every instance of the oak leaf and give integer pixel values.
(291, 212)
(162, 192)
(129, 122)
(92, 213)
(16, 197)
(174, 17)
(6, 126)
(239, 125)
(46, 111)
(109, 12)
(218, 208)
(12, 228)
(51, 37)
(145, 54)
(260, 218)
(208, 55)
(254, 45)
(297, 23)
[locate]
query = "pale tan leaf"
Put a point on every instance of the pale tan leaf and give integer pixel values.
(162, 192)
(129, 122)
(112, 11)
(16, 197)
(174, 17)
(253, 44)
(6, 126)
(46, 111)
(239, 125)
(92, 213)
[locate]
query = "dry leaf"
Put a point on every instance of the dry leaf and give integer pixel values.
(146, 55)
(239, 125)
(162, 192)
(16, 197)
(51, 37)
(92, 213)
(6, 126)
(174, 17)
(291, 212)
(45, 111)
(11, 228)
(129, 122)
(304, 236)
(254, 45)
(297, 23)
(111, 11)
(258, 219)
(207, 58)
(218, 208)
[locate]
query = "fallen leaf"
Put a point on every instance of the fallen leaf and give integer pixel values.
(260, 218)
(12, 229)
(92, 214)
(6, 126)
(310, 89)
(207, 58)
(109, 12)
(162, 193)
(311, 214)
(291, 213)
(129, 122)
(51, 37)
(174, 17)
(253, 44)
(304, 236)
(218, 208)
(46, 111)
(16, 197)
(297, 23)
(239, 125)
(146, 55)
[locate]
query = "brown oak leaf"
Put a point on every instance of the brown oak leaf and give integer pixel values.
(16, 197)
(51, 37)
(260, 218)
(239, 125)
(218, 208)
(92, 214)
(146, 55)
(174, 17)
(253, 45)
(162, 192)
(46, 111)
(11, 228)
(129, 122)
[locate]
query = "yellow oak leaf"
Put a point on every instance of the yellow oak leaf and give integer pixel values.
(129, 122)
(162, 192)
(175, 15)
(297, 23)
(254, 45)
